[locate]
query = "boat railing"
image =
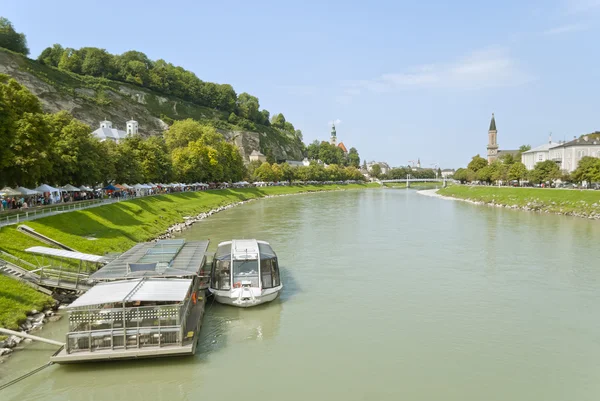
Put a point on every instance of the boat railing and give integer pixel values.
(122, 339)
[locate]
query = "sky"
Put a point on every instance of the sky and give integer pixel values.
(404, 80)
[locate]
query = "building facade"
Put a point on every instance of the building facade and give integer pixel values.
(107, 132)
(256, 156)
(565, 154)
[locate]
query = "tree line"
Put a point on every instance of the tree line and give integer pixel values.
(272, 172)
(57, 149)
(332, 154)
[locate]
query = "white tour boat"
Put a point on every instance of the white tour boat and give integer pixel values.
(245, 273)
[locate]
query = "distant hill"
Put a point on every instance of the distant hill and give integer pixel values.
(92, 100)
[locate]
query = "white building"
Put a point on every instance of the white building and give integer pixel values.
(448, 172)
(257, 156)
(565, 154)
(296, 163)
(132, 127)
(106, 131)
(538, 154)
(385, 168)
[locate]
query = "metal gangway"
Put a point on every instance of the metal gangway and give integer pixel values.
(45, 277)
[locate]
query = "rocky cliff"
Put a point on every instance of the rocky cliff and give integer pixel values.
(92, 100)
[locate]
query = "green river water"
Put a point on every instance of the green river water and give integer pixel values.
(388, 295)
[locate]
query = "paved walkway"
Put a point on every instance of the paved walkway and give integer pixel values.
(33, 214)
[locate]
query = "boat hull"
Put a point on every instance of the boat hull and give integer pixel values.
(233, 299)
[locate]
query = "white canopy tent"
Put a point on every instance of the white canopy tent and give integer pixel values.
(54, 192)
(26, 191)
(69, 188)
(8, 191)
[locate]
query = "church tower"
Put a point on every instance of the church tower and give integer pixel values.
(333, 139)
(492, 147)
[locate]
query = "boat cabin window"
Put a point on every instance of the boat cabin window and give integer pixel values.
(221, 277)
(245, 271)
(269, 270)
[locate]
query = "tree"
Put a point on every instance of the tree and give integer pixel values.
(477, 163)
(587, 170)
(265, 172)
(248, 107)
(484, 174)
(70, 61)
(508, 159)
(182, 132)
(517, 171)
(287, 172)
(96, 62)
(461, 175)
(498, 171)
(353, 158)
(51, 55)
(524, 148)
(10, 39)
(278, 121)
(312, 150)
(544, 171)
(375, 170)
(298, 135)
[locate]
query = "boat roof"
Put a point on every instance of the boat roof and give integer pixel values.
(143, 289)
(164, 258)
(242, 249)
(61, 253)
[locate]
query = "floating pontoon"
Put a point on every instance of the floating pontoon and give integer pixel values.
(245, 273)
(149, 303)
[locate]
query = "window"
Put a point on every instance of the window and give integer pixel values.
(245, 271)
(269, 273)
(540, 157)
(221, 275)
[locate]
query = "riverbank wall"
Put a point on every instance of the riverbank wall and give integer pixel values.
(117, 227)
(567, 202)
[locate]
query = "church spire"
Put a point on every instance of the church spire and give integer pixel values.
(333, 139)
(493, 123)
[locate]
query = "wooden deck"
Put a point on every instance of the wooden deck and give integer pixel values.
(188, 348)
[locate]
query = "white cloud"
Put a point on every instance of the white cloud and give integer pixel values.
(566, 29)
(488, 68)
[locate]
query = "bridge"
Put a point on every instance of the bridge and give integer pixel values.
(407, 180)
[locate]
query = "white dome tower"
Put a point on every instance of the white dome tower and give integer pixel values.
(132, 127)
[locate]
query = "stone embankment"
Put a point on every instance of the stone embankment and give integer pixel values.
(532, 206)
(34, 322)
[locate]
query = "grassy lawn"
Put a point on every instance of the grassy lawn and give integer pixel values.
(564, 201)
(116, 228)
(16, 299)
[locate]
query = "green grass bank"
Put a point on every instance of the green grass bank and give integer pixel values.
(571, 202)
(115, 228)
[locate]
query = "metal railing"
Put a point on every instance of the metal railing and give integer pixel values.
(124, 338)
(39, 212)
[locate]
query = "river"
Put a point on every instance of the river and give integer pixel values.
(389, 295)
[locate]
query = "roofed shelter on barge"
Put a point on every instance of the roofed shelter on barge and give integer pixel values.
(149, 302)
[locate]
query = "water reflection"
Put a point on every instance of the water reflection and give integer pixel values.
(225, 325)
